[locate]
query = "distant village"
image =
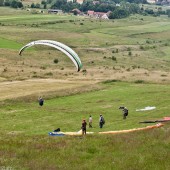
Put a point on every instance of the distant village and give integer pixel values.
(102, 10)
(91, 14)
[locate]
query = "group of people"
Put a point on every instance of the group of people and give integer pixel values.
(84, 123)
(101, 120)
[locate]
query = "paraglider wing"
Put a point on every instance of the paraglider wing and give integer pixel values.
(62, 47)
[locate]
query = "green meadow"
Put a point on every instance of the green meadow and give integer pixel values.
(25, 143)
(126, 62)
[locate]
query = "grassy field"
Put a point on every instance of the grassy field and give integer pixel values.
(125, 62)
(25, 143)
(127, 49)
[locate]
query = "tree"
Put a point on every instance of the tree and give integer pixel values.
(19, 4)
(149, 11)
(45, 6)
(59, 4)
(16, 4)
(168, 12)
(43, 2)
(7, 3)
(1, 2)
(119, 13)
(32, 5)
(37, 5)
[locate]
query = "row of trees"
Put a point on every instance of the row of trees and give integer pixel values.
(11, 3)
(125, 10)
(122, 10)
(118, 8)
(89, 5)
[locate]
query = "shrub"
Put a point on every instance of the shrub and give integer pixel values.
(142, 47)
(130, 53)
(148, 42)
(134, 66)
(43, 67)
(84, 71)
(114, 58)
(5, 69)
(163, 75)
(139, 81)
(56, 61)
(128, 49)
(49, 74)
(110, 81)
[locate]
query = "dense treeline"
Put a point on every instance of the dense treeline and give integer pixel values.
(117, 8)
(121, 10)
(90, 5)
(11, 3)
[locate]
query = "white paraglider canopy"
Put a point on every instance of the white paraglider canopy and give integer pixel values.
(60, 46)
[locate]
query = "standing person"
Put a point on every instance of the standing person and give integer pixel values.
(41, 101)
(124, 111)
(101, 121)
(83, 127)
(90, 121)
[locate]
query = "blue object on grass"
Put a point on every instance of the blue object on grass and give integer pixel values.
(56, 134)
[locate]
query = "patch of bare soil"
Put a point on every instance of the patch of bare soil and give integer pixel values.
(76, 84)
(39, 87)
(161, 77)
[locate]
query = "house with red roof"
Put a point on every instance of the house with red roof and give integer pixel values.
(98, 15)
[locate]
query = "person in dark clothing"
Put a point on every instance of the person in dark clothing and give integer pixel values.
(101, 121)
(124, 111)
(83, 127)
(41, 101)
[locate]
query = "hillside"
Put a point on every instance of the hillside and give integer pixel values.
(126, 62)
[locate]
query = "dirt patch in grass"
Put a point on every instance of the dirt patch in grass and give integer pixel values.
(76, 84)
(41, 87)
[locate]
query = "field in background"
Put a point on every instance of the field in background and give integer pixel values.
(125, 62)
(130, 49)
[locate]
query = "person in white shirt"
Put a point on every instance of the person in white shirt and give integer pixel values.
(90, 121)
